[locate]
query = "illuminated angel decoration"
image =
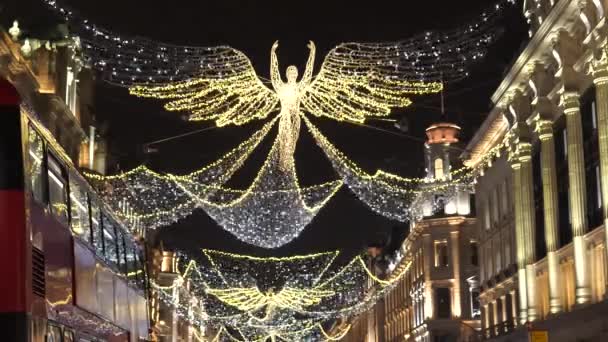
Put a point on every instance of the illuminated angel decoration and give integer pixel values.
(252, 299)
(291, 298)
(356, 81)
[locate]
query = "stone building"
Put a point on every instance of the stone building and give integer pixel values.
(436, 298)
(542, 195)
(168, 324)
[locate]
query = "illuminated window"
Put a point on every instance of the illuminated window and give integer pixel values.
(475, 305)
(97, 232)
(36, 166)
(58, 198)
(439, 168)
(120, 243)
(141, 268)
(441, 253)
(474, 253)
(53, 334)
(110, 241)
(79, 208)
(131, 251)
(71, 90)
(68, 336)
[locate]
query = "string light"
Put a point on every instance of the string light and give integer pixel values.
(390, 195)
(234, 99)
(288, 298)
(356, 81)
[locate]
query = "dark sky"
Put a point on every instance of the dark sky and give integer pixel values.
(252, 26)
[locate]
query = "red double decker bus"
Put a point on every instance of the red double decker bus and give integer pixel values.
(71, 271)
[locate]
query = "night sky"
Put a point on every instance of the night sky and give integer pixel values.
(252, 26)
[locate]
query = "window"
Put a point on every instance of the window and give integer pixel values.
(36, 165)
(141, 268)
(68, 336)
(475, 306)
(443, 306)
(70, 90)
(79, 208)
(96, 231)
(120, 242)
(53, 334)
(110, 243)
(131, 260)
(474, 253)
(439, 168)
(58, 198)
(441, 253)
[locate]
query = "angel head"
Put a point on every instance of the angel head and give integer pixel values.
(292, 74)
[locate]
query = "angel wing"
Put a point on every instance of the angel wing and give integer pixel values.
(211, 83)
(244, 299)
(251, 299)
(297, 299)
(360, 80)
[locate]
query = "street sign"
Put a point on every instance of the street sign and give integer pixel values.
(539, 336)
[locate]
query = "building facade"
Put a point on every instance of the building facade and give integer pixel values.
(167, 323)
(542, 194)
(436, 299)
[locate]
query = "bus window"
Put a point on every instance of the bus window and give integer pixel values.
(68, 335)
(53, 334)
(109, 235)
(141, 269)
(80, 222)
(96, 230)
(131, 261)
(36, 165)
(120, 243)
(57, 190)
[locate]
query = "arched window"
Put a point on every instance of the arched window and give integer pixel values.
(438, 168)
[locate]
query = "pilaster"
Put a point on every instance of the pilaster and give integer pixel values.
(600, 79)
(519, 238)
(456, 287)
(551, 217)
(577, 193)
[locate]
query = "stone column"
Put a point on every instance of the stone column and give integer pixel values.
(528, 222)
(519, 242)
(428, 296)
(577, 194)
(513, 307)
(456, 287)
(503, 305)
(174, 316)
(600, 78)
(550, 201)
